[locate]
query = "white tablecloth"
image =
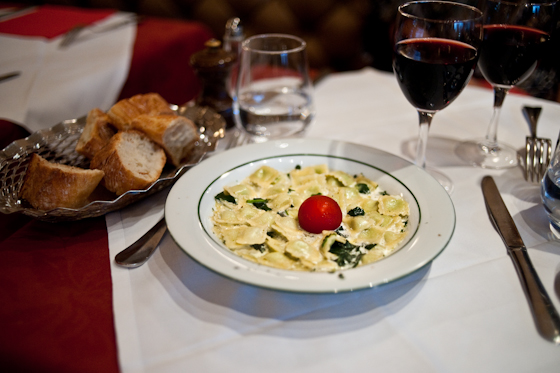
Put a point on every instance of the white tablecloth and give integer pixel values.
(465, 312)
(57, 83)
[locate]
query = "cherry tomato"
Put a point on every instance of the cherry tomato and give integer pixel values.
(319, 213)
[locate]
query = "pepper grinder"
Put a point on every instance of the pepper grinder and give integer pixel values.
(213, 66)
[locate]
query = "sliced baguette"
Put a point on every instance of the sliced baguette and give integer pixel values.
(123, 112)
(96, 134)
(177, 135)
(151, 103)
(48, 185)
(130, 161)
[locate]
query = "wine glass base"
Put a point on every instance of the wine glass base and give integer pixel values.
(444, 181)
(482, 153)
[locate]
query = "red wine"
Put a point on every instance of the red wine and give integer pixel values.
(509, 54)
(432, 72)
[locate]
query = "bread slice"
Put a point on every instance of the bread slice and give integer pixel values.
(130, 161)
(151, 103)
(177, 135)
(96, 134)
(124, 111)
(48, 185)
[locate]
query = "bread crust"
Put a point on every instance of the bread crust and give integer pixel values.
(123, 112)
(130, 161)
(176, 134)
(96, 133)
(151, 103)
(49, 185)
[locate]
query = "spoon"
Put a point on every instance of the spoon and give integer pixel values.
(140, 251)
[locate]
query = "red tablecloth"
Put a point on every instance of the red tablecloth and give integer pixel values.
(161, 59)
(56, 296)
(52, 21)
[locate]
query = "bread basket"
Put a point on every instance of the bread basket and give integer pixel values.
(57, 144)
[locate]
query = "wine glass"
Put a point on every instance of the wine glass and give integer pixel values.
(435, 53)
(273, 96)
(516, 34)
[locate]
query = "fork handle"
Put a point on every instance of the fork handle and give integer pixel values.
(532, 115)
(140, 251)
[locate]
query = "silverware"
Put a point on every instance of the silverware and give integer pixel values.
(11, 13)
(9, 76)
(538, 151)
(139, 252)
(72, 35)
(557, 285)
(545, 316)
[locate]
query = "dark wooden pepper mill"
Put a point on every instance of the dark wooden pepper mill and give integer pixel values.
(213, 67)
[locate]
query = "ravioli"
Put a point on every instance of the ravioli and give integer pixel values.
(257, 219)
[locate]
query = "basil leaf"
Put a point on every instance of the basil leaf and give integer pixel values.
(356, 211)
(225, 197)
(370, 246)
(259, 246)
(363, 188)
(259, 203)
(347, 254)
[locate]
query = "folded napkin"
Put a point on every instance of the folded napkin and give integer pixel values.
(57, 83)
(50, 21)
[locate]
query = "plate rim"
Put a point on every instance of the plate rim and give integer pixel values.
(285, 148)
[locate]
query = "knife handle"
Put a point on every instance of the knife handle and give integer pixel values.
(545, 316)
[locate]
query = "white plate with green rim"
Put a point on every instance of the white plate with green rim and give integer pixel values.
(431, 223)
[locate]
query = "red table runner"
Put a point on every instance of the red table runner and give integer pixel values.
(56, 296)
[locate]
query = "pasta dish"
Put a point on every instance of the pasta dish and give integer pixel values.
(259, 219)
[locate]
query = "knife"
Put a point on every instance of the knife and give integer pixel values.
(545, 316)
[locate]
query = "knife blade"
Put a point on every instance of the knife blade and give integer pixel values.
(545, 315)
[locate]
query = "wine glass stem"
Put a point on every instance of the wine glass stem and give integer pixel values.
(499, 97)
(425, 121)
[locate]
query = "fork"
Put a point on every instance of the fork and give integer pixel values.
(538, 151)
